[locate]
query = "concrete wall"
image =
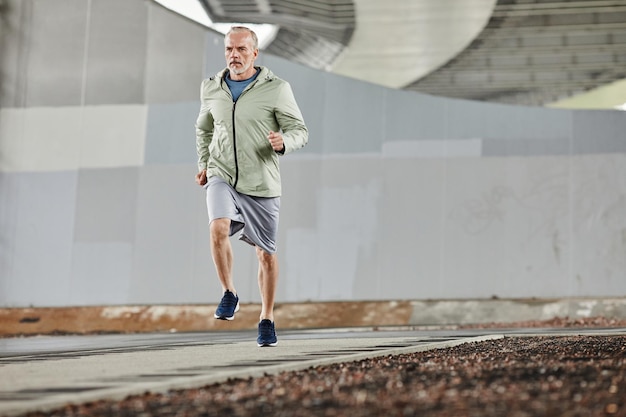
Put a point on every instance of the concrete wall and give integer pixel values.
(397, 195)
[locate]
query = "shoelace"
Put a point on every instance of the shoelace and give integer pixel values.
(228, 302)
(266, 331)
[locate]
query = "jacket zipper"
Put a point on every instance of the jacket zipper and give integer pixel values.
(234, 131)
(235, 148)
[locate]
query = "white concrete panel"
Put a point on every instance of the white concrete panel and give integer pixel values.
(411, 230)
(174, 52)
(599, 225)
(66, 138)
(101, 273)
(507, 228)
(170, 131)
(53, 45)
(472, 119)
(162, 260)
(599, 132)
(40, 208)
(203, 278)
(300, 276)
(106, 205)
(298, 240)
(337, 263)
(116, 52)
(52, 137)
(330, 230)
(11, 139)
(527, 147)
(40, 138)
(432, 148)
(12, 77)
(409, 115)
(348, 210)
(347, 109)
(113, 136)
(9, 212)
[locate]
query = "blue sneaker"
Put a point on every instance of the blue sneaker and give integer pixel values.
(228, 306)
(267, 334)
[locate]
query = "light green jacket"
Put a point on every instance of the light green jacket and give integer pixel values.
(231, 138)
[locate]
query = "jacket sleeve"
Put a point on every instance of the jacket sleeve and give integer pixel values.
(204, 130)
(290, 120)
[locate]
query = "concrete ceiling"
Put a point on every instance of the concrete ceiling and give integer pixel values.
(537, 52)
(396, 43)
(530, 52)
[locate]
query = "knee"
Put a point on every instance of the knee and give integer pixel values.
(265, 258)
(220, 229)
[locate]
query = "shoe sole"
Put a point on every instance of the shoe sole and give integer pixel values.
(267, 344)
(228, 318)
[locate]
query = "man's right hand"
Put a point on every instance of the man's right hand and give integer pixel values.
(201, 177)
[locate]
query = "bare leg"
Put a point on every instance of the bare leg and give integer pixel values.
(268, 278)
(222, 252)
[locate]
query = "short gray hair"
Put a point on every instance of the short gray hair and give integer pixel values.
(239, 29)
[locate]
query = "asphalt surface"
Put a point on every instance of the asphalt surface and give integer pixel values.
(46, 372)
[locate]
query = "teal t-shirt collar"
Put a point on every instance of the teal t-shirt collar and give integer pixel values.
(237, 87)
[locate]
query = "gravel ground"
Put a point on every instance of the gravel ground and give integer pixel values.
(512, 377)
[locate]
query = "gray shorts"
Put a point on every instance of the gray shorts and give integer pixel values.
(256, 217)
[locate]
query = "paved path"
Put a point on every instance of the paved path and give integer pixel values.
(46, 372)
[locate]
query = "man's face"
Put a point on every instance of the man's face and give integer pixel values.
(240, 55)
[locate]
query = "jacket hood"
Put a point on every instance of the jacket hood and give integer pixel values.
(265, 74)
